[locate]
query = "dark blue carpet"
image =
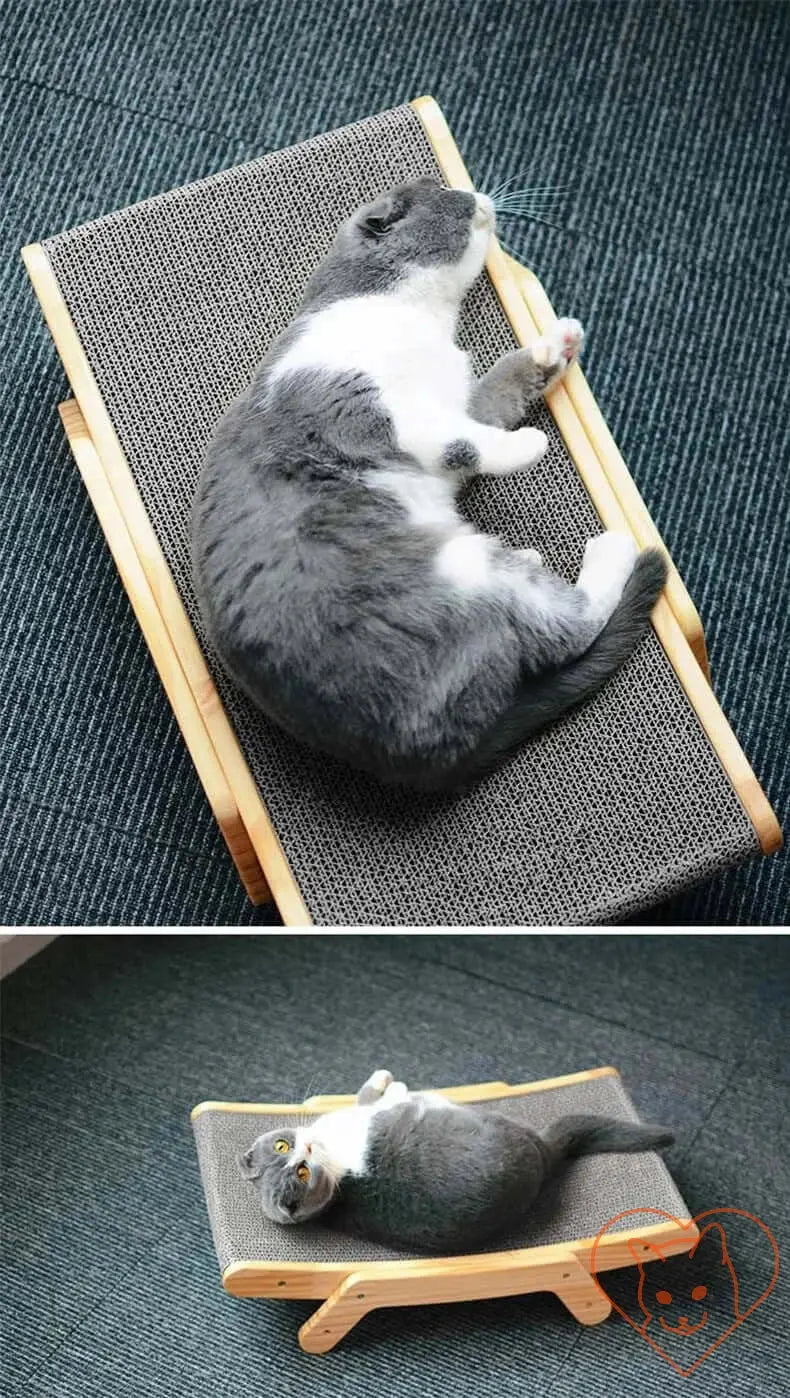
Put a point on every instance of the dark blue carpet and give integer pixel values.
(109, 1279)
(669, 123)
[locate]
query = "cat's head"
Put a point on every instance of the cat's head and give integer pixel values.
(678, 1296)
(292, 1183)
(439, 237)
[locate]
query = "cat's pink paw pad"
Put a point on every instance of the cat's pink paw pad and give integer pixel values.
(572, 338)
(555, 350)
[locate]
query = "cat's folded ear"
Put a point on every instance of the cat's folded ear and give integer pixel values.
(376, 218)
(251, 1162)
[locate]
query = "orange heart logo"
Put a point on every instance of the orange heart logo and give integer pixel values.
(659, 1308)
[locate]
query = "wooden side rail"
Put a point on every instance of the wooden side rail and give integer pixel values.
(462, 1279)
(164, 655)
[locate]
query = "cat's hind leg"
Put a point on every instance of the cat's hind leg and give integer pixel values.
(609, 560)
(502, 396)
(561, 620)
(478, 449)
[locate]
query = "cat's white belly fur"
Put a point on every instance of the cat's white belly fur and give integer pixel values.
(422, 377)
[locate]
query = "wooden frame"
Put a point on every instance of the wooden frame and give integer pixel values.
(350, 1291)
(221, 765)
(612, 464)
(164, 654)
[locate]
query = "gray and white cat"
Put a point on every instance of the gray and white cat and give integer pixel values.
(337, 579)
(417, 1170)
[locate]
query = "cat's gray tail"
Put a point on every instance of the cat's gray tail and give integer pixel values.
(592, 1135)
(547, 697)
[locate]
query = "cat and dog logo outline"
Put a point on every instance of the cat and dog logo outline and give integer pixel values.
(646, 1252)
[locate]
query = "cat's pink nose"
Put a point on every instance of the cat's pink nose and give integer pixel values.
(308, 1150)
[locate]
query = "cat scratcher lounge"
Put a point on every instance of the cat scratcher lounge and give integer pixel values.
(554, 1252)
(160, 314)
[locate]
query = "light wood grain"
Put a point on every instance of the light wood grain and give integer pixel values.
(614, 467)
(163, 653)
(270, 1280)
(438, 1283)
(474, 1092)
(254, 816)
(710, 715)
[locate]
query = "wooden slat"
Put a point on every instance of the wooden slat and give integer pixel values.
(182, 700)
(469, 1092)
(442, 1282)
(314, 1280)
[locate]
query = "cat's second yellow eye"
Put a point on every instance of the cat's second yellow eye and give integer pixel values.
(303, 1174)
(281, 1147)
(664, 1297)
(699, 1293)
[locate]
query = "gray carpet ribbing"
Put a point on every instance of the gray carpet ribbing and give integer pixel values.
(669, 125)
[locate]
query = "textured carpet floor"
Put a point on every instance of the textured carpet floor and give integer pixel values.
(109, 1279)
(669, 124)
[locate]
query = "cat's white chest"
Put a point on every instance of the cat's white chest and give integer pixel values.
(423, 378)
(339, 1139)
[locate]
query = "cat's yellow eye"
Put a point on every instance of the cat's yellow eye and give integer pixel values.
(699, 1293)
(664, 1297)
(303, 1174)
(281, 1147)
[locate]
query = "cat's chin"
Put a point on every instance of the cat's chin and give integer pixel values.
(283, 1216)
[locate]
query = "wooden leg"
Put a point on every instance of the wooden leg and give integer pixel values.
(163, 653)
(578, 1291)
(346, 1305)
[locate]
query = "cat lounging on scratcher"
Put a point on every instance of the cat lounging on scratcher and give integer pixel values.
(162, 315)
(269, 1245)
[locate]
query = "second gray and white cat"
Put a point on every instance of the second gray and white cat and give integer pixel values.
(417, 1170)
(338, 581)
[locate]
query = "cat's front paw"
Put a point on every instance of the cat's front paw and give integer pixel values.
(558, 348)
(396, 1092)
(519, 450)
(531, 556)
(374, 1087)
(380, 1080)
